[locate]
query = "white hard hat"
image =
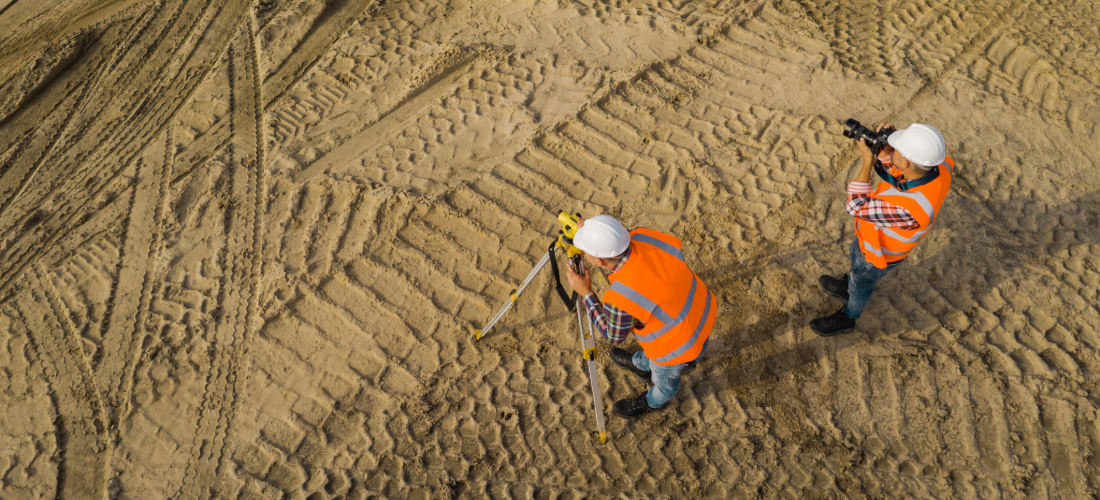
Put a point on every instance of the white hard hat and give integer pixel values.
(602, 236)
(920, 144)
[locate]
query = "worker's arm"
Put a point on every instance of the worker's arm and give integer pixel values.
(878, 212)
(860, 204)
(864, 174)
(613, 323)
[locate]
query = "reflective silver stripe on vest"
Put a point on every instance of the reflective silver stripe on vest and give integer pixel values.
(656, 310)
(879, 253)
(694, 336)
(671, 250)
(912, 239)
(917, 197)
(867, 246)
(642, 302)
(948, 165)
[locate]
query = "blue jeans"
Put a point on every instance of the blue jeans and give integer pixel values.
(666, 378)
(861, 280)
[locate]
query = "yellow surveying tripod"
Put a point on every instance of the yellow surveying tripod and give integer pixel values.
(564, 242)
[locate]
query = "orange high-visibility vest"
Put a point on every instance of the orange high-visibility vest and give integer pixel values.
(656, 286)
(883, 245)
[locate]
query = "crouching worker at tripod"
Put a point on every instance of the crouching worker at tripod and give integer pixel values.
(655, 296)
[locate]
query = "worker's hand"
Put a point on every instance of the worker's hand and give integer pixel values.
(868, 155)
(581, 283)
(887, 150)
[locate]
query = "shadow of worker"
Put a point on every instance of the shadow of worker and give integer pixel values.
(989, 243)
(977, 247)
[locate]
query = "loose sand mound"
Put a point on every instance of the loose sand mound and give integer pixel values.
(243, 246)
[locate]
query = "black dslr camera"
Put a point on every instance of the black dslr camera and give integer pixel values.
(876, 140)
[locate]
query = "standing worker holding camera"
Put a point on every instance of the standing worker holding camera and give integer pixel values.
(653, 294)
(891, 218)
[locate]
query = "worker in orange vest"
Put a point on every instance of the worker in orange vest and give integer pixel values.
(891, 218)
(655, 296)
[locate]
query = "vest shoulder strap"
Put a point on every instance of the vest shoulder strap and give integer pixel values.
(661, 241)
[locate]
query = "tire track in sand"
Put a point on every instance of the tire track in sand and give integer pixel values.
(81, 425)
(129, 304)
(374, 135)
(320, 40)
(236, 315)
(33, 129)
(28, 30)
(180, 43)
(85, 284)
(331, 25)
(348, 387)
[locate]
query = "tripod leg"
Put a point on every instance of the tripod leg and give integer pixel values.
(588, 347)
(479, 333)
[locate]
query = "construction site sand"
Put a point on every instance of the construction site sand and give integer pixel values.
(244, 246)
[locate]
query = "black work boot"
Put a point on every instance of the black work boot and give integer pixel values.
(838, 322)
(633, 407)
(626, 360)
(837, 287)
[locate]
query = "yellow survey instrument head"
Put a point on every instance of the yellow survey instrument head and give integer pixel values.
(569, 223)
(568, 231)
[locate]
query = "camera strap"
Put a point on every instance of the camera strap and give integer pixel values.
(905, 185)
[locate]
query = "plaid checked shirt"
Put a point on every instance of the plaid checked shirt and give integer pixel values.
(878, 212)
(613, 323)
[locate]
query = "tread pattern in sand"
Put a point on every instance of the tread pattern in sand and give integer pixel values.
(199, 37)
(29, 441)
(125, 327)
(82, 424)
(237, 309)
(335, 418)
(915, 39)
(1024, 75)
(314, 342)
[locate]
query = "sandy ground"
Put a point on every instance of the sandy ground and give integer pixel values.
(243, 246)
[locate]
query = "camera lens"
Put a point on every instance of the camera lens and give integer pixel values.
(851, 128)
(854, 130)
